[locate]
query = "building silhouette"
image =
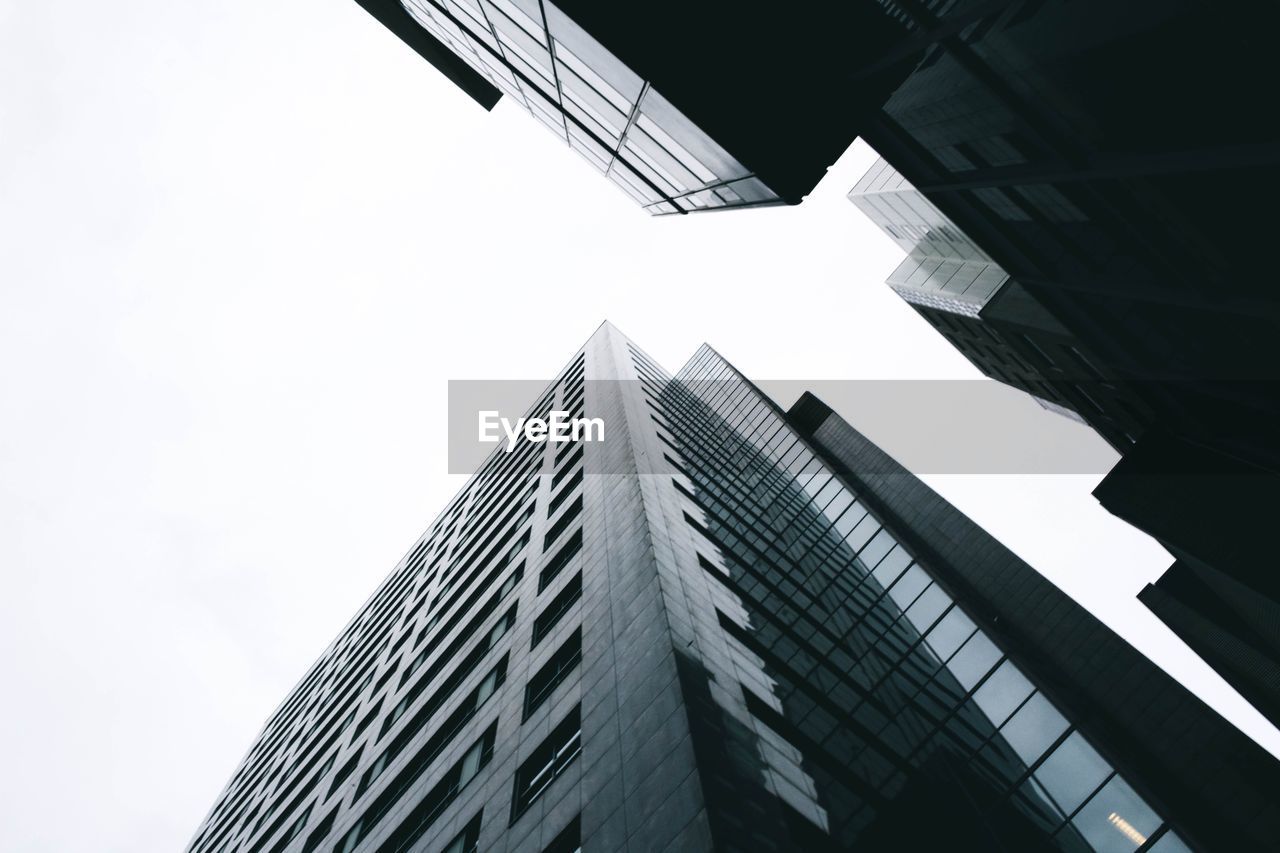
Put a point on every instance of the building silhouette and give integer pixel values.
(728, 627)
(1233, 628)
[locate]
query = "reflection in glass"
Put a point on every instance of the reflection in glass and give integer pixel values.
(1002, 692)
(1072, 772)
(1035, 726)
(1116, 820)
(551, 67)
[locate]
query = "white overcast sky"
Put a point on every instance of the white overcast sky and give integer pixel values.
(243, 247)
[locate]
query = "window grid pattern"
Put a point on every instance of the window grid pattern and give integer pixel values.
(875, 662)
(594, 103)
(321, 776)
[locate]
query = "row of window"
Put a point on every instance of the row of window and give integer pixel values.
(539, 688)
(531, 779)
(325, 704)
(918, 666)
(594, 103)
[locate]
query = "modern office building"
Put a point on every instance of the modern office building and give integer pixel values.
(1216, 517)
(726, 627)
(1210, 511)
(988, 316)
(1111, 160)
(686, 107)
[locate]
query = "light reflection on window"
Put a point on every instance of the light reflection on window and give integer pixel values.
(553, 69)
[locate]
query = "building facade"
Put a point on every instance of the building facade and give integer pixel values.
(1100, 167)
(708, 632)
(989, 317)
(686, 107)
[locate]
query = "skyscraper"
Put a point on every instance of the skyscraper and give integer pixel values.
(1236, 630)
(1099, 167)
(686, 107)
(987, 315)
(713, 630)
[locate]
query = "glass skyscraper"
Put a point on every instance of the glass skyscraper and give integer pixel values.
(988, 316)
(727, 627)
(592, 101)
(686, 107)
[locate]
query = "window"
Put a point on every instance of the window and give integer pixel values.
(345, 772)
(559, 606)
(974, 660)
(1002, 692)
(367, 719)
(445, 688)
(419, 820)
(574, 510)
(294, 831)
(1072, 772)
(567, 840)
(552, 757)
(568, 466)
(1116, 818)
(467, 840)
(1034, 728)
(560, 457)
(321, 832)
(438, 742)
(566, 553)
(564, 492)
(545, 680)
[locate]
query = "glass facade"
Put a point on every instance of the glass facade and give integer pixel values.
(594, 103)
(993, 320)
(885, 677)
(944, 269)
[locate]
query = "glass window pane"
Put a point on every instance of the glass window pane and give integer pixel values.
(928, 608)
(865, 529)
(837, 507)
(593, 64)
(949, 634)
(1116, 820)
(1036, 725)
(879, 546)
(1032, 800)
(828, 493)
(753, 190)
(1002, 692)
(816, 484)
(850, 519)
(888, 569)
(1072, 772)
(974, 660)
(657, 117)
(909, 586)
(1170, 843)
(812, 468)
